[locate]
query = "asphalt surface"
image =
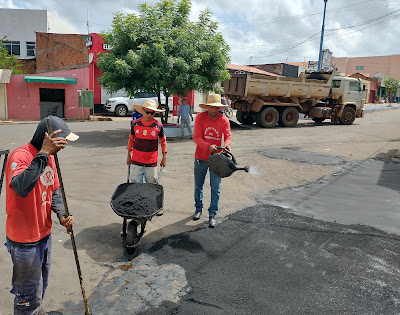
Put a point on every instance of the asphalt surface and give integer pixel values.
(326, 247)
(268, 260)
(265, 260)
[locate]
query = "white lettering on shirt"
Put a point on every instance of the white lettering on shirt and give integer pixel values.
(47, 178)
(212, 134)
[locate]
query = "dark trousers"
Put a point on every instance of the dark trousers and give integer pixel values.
(31, 270)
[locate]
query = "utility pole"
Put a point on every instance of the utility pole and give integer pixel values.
(322, 37)
(87, 20)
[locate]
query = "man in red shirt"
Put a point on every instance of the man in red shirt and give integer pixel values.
(210, 130)
(32, 192)
(143, 144)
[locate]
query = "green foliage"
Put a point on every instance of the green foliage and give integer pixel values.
(160, 50)
(8, 61)
(391, 84)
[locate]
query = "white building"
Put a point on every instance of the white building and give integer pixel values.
(19, 26)
(326, 61)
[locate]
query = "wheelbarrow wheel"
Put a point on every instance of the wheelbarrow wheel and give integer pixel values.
(131, 234)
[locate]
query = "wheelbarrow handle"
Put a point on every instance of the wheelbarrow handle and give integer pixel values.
(129, 173)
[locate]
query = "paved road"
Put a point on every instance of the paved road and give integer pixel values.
(293, 239)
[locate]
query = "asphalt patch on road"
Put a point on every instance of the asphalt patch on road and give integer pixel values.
(266, 260)
(365, 192)
(293, 154)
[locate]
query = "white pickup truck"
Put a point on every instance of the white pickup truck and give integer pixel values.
(121, 106)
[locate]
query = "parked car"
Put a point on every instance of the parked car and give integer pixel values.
(121, 106)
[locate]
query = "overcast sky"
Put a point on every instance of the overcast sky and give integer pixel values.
(263, 31)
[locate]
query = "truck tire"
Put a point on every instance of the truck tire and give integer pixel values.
(121, 111)
(243, 119)
(348, 116)
(267, 117)
(288, 117)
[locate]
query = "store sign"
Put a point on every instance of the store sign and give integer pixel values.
(107, 47)
(89, 42)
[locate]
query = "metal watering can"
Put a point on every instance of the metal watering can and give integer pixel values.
(223, 163)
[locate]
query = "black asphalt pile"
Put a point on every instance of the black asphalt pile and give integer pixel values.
(265, 260)
(134, 200)
(235, 125)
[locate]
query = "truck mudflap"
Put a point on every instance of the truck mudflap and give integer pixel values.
(362, 114)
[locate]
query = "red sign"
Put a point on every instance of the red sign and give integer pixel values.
(177, 102)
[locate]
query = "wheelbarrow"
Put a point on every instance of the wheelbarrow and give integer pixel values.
(136, 203)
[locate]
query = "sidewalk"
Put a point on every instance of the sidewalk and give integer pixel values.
(370, 107)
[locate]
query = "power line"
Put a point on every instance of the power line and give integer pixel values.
(345, 28)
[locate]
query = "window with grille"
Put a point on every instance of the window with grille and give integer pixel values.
(30, 48)
(359, 67)
(12, 47)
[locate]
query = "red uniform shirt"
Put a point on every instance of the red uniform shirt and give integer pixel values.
(143, 142)
(208, 131)
(29, 218)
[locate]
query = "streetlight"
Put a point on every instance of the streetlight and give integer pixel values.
(322, 37)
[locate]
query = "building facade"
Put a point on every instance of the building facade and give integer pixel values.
(19, 27)
(388, 65)
(282, 69)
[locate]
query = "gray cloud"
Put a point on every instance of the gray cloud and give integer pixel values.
(266, 31)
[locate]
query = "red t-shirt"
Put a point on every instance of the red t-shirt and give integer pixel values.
(29, 218)
(143, 142)
(208, 131)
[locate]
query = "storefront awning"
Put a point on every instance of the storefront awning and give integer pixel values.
(50, 80)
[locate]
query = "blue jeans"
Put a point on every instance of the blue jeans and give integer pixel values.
(200, 171)
(31, 270)
(138, 172)
(185, 122)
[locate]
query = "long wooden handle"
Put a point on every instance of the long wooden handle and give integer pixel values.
(78, 267)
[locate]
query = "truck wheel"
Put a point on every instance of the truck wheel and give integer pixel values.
(121, 111)
(267, 118)
(243, 119)
(288, 117)
(348, 116)
(318, 120)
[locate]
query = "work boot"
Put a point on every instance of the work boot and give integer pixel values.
(211, 222)
(196, 215)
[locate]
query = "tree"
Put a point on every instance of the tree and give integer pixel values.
(391, 84)
(161, 51)
(8, 61)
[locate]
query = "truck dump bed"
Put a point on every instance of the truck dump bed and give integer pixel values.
(307, 85)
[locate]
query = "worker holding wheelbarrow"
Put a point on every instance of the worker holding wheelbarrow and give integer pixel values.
(32, 192)
(143, 144)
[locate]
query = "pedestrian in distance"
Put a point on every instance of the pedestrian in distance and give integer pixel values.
(32, 192)
(211, 129)
(146, 134)
(135, 115)
(184, 113)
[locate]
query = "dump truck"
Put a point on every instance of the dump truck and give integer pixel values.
(271, 101)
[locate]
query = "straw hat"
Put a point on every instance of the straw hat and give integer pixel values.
(213, 100)
(148, 104)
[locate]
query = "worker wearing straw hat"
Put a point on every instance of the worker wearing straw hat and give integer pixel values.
(210, 130)
(146, 134)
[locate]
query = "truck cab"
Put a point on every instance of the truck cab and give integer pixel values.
(350, 92)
